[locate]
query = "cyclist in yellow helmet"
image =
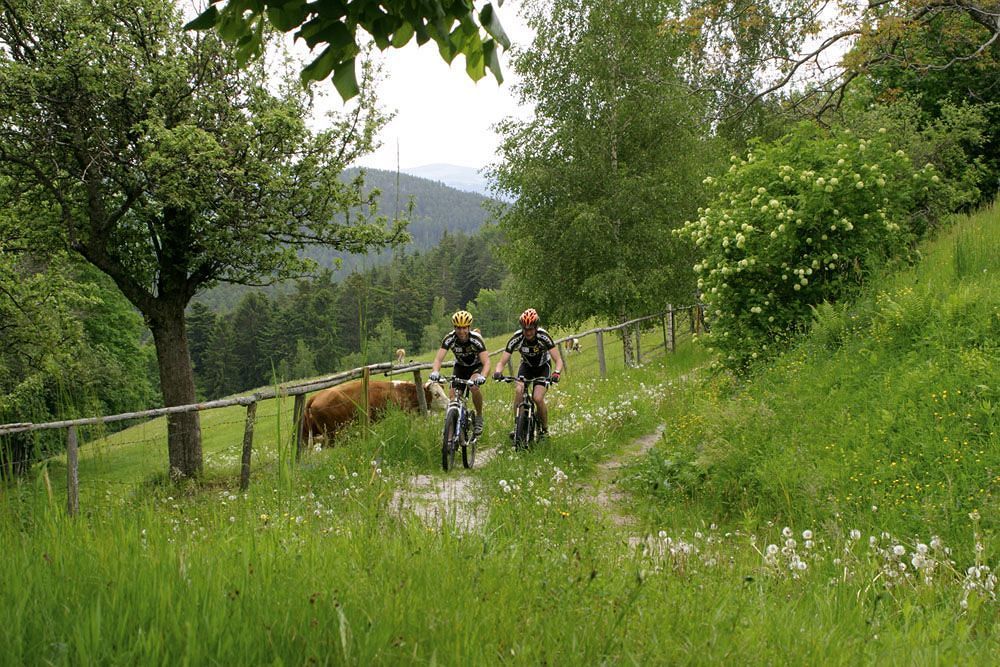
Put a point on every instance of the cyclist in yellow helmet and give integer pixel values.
(471, 358)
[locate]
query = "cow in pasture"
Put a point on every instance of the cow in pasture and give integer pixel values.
(571, 344)
(329, 410)
(400, 356)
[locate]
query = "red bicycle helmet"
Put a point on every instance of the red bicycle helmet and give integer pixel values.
(529, 317)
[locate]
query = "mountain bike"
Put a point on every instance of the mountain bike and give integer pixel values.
(458, 427)
(526, 426)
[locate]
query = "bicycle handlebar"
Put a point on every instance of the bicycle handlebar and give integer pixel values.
(455, 380)
(520, 378)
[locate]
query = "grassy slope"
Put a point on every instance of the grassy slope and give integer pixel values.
(313, 564)
(886, 416)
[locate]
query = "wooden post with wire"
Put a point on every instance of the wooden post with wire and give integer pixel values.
(421, 398)
(600, 354)
(248, 445)
(365, 375)
(663, 323)
(638, 336)
(671, 328)
(72, 474)
(298, 413)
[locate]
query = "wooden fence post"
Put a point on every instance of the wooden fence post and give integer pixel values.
(298, 412)
(72, 473)
(421, 399)
(365, 375)
(638, 350)
(672, 328)
(247, 446)
(600, 354)
(663, 323)
(691, 313)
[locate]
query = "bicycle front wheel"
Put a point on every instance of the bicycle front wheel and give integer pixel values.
(448, 440)
(522, 429)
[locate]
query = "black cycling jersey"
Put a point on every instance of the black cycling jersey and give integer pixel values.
(535, 352)
(467, 353)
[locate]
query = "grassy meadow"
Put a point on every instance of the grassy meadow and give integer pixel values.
(838, 507)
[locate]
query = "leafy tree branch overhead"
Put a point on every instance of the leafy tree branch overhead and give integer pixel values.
(757, 49)
(454, 25)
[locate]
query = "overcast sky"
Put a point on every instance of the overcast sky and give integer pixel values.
(442, 115)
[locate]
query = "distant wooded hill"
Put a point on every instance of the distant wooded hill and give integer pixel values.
(438, 209)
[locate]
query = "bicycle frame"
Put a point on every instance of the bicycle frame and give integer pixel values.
(525, 423)
(457, 432)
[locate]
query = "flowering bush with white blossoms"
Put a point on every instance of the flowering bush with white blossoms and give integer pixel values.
(796, 223)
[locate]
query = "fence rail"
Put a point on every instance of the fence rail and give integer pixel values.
(299, 390)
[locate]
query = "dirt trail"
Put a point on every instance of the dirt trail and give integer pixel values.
(604, 489)
(452, 497)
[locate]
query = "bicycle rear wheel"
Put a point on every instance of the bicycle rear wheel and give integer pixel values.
(448, 440)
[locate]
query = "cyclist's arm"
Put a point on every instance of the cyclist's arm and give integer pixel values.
(504, 358)
(484, 359)
(436, 365)
(556, 358)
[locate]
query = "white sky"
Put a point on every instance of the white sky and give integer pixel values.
(442, 115)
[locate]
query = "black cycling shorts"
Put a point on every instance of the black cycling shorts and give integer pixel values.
(466, 372)
(530, 372)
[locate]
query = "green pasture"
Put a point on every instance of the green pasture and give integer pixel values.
(837, 507)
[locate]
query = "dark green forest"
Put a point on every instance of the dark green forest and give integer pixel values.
(325, 325)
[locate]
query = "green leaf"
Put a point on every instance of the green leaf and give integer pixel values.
(345, 79)
(232, 26)
(492, 59)
(206, 20)
(321, 67)
(474, 64)
(403, 35)
(334, 33)
(491, 23)
(289, 16)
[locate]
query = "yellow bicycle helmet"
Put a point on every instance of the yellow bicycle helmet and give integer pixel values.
(462, 318)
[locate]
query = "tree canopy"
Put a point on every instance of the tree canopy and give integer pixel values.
(454, 25)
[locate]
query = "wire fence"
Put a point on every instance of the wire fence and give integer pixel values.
(131, 449)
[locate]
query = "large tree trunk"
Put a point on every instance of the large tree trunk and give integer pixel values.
(177, 383)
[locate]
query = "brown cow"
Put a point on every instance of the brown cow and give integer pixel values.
(331, 409)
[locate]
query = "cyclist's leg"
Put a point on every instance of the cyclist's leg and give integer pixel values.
(466, 373)
(539, 395)
(540, 408)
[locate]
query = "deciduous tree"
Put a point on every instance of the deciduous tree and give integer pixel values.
(166, 165)
(611, 161)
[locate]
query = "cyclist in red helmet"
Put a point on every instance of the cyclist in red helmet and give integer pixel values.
(538, 352)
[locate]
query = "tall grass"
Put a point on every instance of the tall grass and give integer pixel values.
(741, 546)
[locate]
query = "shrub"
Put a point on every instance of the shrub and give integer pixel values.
(798, 222)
